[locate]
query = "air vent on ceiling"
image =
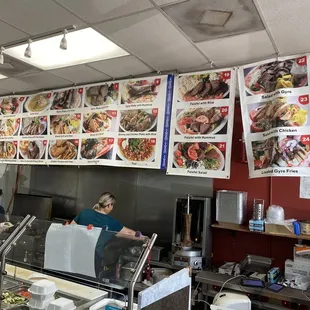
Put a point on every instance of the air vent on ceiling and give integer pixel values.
(215, 18)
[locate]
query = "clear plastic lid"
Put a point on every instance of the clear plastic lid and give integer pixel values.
(62, 304)
(43, 287)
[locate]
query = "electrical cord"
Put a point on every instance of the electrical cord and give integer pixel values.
(230, 279)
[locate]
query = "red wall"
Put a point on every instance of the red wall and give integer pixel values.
(233, 246)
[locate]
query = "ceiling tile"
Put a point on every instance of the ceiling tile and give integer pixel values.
(4, 92)
(80, 74)
(15, 86)
(44, 80)
(36, 16)
(151, 37)
(168, 2)
(238, 49)
(121, 67)
(94, 10)
(196, 18)
(9, 33)
(288, 22)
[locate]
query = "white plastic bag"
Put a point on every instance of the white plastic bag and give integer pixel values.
(275, 215)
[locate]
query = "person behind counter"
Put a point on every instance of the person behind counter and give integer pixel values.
(99, 216)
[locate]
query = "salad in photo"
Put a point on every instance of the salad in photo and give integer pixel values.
(140, 91)
(204, 86)
(269, 77)
(136, 149)
(10, 105)
(32, 149)
(286, 151)
(200, 121)
(138, 120)
(96, 148)
(277, 113)
(100, 95)
(198, 155)
(65, 124)
(97, 122)
(9, 126)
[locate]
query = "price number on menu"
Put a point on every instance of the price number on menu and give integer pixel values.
(15, 143)
(18, 121)
(157, 82)
(224, 111)
(305, 139)
(80, 91)
(44, 142)
(301, 61)
(110, 141)
(78, 116)
(76, 142)
(116, 86)
(304, 99)
(222, 146)
(225, 75)
(155, 112)
(152, 141)
(113, 113)
(48, 95)
(21, 99)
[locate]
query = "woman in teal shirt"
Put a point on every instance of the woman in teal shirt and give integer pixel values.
(99, 216)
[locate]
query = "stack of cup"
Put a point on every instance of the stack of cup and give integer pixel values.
(62, 304)
(42, 294)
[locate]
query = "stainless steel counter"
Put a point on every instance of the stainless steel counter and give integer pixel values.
(211, 279)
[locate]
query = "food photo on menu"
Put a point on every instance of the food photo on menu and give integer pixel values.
(9, 126)
(104, 121)
(38, 103)
(213, 85)
(99, 148)
(136, 149)
(100, 95)
(201, 121)
(138, 120)
(63, 149)
(271, 76)
(67, 99)
(8, 149)
(33, 126)
(283, 151)
(199, 155)
(140, 91)
(65, 124)
(278, 112)
(32, 149)
(11, 105)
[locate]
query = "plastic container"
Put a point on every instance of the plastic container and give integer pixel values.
(62, 304)
(40, 305)
(43, 290)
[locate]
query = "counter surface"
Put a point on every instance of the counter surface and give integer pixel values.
(71, 288)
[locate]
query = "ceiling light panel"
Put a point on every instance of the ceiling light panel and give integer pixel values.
(86, 45)
(2, 77)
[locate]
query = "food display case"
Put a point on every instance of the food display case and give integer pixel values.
(107, 260)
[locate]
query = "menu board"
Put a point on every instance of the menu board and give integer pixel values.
(118, 123)
(275, 110)
(202, 124)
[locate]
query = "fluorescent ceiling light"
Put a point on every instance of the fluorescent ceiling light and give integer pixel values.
(215, 18)
(86, 45)
(2, 77)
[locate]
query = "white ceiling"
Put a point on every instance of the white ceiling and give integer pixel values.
(155, 36)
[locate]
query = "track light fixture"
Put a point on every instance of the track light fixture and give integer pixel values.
(63, 43)
(28, 51)
(1, 55)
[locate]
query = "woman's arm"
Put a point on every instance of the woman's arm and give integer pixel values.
(127, 231)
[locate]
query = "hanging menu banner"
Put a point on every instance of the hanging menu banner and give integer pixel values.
(118, 123)
(275, 111)
(202, 124)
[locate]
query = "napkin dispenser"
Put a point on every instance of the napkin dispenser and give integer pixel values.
(231, 207)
